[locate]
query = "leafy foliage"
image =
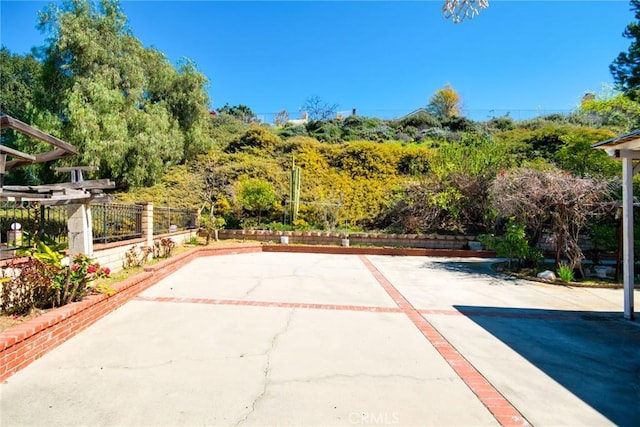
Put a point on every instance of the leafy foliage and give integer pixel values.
(256, 196)
(445, 103)
(125, 107)
(44, 281)
(513, 245)
(565, 272)
(615, 111)
(240, 112)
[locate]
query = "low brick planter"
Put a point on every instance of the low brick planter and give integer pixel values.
(25, 343)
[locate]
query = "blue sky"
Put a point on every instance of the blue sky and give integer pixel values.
(384, 58)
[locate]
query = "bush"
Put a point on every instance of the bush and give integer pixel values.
(565, 272)
(513, 245)
(420, 120)
(163, 247)
(257, 138)
(39, 284)
(136, 256)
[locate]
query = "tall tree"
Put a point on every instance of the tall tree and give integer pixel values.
(125, 107)
(445, 103)
(241, 112)
(19, 80)
(21, 94)
(626, 67)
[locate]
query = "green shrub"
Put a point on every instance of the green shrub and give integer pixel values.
(565, 273)
(45, 282)
(513, 245)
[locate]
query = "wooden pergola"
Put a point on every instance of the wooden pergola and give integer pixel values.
(626, 148)
(76, 191)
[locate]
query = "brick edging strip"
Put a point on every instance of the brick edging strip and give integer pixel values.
(27, 342)
(366, 250)
(503, 411)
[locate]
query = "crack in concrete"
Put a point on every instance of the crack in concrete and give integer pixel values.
(267, 369)
(253, 288)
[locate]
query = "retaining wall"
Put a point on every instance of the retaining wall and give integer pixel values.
(424, 241)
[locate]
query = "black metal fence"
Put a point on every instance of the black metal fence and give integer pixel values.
(111, 222)
(21, 221)
(167, 220)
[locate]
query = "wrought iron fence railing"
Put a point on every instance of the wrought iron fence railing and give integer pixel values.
(167, 219)
(111, 222)
(21, 221)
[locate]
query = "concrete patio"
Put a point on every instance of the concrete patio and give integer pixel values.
(315, 339)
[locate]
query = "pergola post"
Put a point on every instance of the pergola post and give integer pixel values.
(626, 148)
(80, 232)
(627, 239)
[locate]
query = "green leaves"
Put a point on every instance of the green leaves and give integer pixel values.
(126, 108)
(256, 196)
(626, 67)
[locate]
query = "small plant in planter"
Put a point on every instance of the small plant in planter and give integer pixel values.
(136, 256)
(47, 279)
(163, 248)
(565, 273)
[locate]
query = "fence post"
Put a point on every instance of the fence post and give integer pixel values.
(147, 223)
(80, 232)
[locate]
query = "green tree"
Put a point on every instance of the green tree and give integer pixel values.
(20, 83)
(241, 112)
(20, 94)
(256, 195)
(578, 156)
(125, 107)
(445, 103)
(626, 67)
(613, 110)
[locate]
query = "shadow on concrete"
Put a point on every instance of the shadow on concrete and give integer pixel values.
(473, 267)
(595, 355)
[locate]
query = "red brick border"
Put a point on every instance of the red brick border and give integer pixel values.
(275, 304)
(503, 411)
(365, 250)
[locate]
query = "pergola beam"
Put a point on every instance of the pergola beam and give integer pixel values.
(12, 123)
(17, 154)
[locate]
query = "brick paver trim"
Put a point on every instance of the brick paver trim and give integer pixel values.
(503, 411)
